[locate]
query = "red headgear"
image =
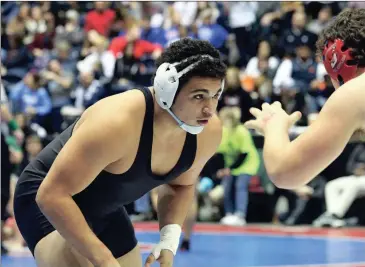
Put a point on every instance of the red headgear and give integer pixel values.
(339, 63)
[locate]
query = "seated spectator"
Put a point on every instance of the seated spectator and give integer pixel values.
(275, 18)
(29, 100)
(16, 24)
(260, 72)
(295, 77)
(128, 52)
(324, 18)
(9, 126)
(234, 95)
(210, 31)
(44, 39)
(305, 194)
(133, 45)
(210, 190)
(88, 90)
(33, 145)
(71, 31)
(297, 35)
(66, 55)
(318, 94)
(242, 161)
(16, 58)
(154, 31)
(340, 193)
(174, 29)
(58, 81)
(36, 24)
(98, 57)
(100, 19)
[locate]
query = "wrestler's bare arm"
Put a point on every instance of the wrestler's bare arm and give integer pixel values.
(99, 140)
(292, 164)
(175, 199)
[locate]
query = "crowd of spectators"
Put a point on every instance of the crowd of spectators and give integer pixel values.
(60, 57)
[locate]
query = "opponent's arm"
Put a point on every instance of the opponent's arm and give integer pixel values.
(293, 164)
(94, 145)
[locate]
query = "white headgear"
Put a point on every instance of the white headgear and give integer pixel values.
(166, 83)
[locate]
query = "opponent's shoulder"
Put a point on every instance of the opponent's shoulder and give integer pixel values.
(360, 91)
(351, 96)
(210, 138)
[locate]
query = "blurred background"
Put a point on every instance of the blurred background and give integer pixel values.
(58, 58)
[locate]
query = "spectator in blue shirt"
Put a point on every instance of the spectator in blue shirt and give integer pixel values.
(210, 31)
(30, 99)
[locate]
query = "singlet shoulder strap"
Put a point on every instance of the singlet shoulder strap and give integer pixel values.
(145, 144)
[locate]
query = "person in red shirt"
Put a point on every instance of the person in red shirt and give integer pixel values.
(100, 19)
(139, 47)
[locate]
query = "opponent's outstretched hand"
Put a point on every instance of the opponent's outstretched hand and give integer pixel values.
(269, 112)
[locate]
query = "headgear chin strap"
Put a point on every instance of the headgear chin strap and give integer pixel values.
(166, 84)
(338, 61)
(186, 127)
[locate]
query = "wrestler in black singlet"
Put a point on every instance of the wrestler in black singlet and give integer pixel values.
(102, 201)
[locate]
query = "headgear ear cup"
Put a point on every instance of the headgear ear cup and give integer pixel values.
(338, 61)
(165, 84)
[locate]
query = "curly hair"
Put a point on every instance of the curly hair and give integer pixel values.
(194, 49)
(349, 26)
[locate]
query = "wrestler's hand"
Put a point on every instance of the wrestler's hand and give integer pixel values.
(165, 259)
(268, 113)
